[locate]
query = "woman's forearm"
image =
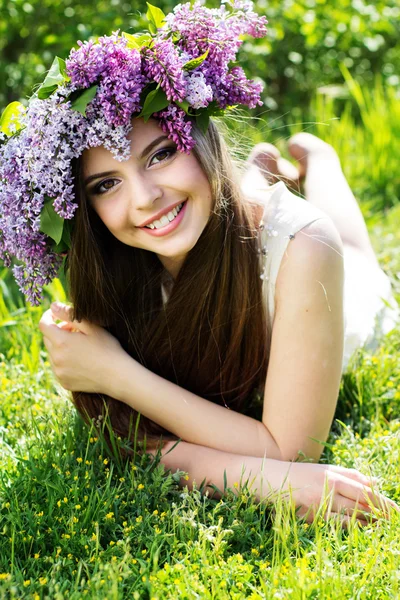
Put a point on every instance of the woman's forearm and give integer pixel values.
(187, 415)
(263, 476)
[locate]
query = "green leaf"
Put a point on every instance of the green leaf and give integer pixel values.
(6, 120)
(132, 41)
(62, 267)
(184, 105)
(58, 248)
(196, 62)
(56, 75)
(67, 231)
(155, 101)
(155, 16)
(46, 92)
(50, 222)
(80, 103)
(214, 110)
(203, 120)
(153, 28)
(137, 41)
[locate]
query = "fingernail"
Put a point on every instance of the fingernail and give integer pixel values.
(56, 307)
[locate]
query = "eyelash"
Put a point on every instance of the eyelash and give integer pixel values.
(170, 149)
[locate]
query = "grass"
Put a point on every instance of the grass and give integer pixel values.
(77, 521)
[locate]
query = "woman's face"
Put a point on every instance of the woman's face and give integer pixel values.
(148, 189)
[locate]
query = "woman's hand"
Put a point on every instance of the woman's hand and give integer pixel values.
(80, 353)
(347, 491)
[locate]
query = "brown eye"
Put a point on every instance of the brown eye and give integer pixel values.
(164, 154)
(105, 184)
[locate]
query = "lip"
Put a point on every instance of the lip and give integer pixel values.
(161, 213)
(172, 225)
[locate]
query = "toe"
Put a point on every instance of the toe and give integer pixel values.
(303, 145)
(273, 166)
(265, 156)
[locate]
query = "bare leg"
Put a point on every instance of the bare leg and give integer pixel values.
(325, 185)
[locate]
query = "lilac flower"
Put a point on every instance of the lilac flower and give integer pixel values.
(198, 93)
(235, 88)
(173, 122)
(118, 71)
(162, 64)
(85, 64)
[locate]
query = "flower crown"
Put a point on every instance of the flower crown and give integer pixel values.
(180, 71)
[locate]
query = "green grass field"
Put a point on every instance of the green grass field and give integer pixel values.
(79, 522)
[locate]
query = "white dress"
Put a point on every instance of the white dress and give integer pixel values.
(370, 309)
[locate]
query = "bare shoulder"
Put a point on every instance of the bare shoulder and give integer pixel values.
(313, 261)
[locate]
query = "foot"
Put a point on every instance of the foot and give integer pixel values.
(274, 168)
(305, 147)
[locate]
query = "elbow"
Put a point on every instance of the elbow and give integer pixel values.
(301, 455)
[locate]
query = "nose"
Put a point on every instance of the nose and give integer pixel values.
(144, 192)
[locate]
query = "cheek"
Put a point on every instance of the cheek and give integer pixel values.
(111, 219)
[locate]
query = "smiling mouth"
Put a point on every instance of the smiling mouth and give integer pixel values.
(166, 219)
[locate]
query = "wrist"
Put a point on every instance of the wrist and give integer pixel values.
(273, 476)
(114, 375)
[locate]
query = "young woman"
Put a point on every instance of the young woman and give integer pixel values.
(193, 292)
(193, 316)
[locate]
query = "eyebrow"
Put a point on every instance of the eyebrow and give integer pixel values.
(146, 151)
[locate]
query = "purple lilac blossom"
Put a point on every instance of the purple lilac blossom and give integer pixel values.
(198, 93)
(173, 122)
(162, 64)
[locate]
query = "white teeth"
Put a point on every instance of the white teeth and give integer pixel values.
(165, 219)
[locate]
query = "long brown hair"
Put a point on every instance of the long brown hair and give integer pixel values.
(211, 336)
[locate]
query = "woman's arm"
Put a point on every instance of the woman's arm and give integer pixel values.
(303, 376)
(307, 483)
(187, 415)
(306, 355)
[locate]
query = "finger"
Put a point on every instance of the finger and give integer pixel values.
(49, 328)
(363, 493)
(65, 313)
(48, 344)
(343, 505)
(67, 326)
(345, 521)
(354, 474)
(62, 311)
(46, 320)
